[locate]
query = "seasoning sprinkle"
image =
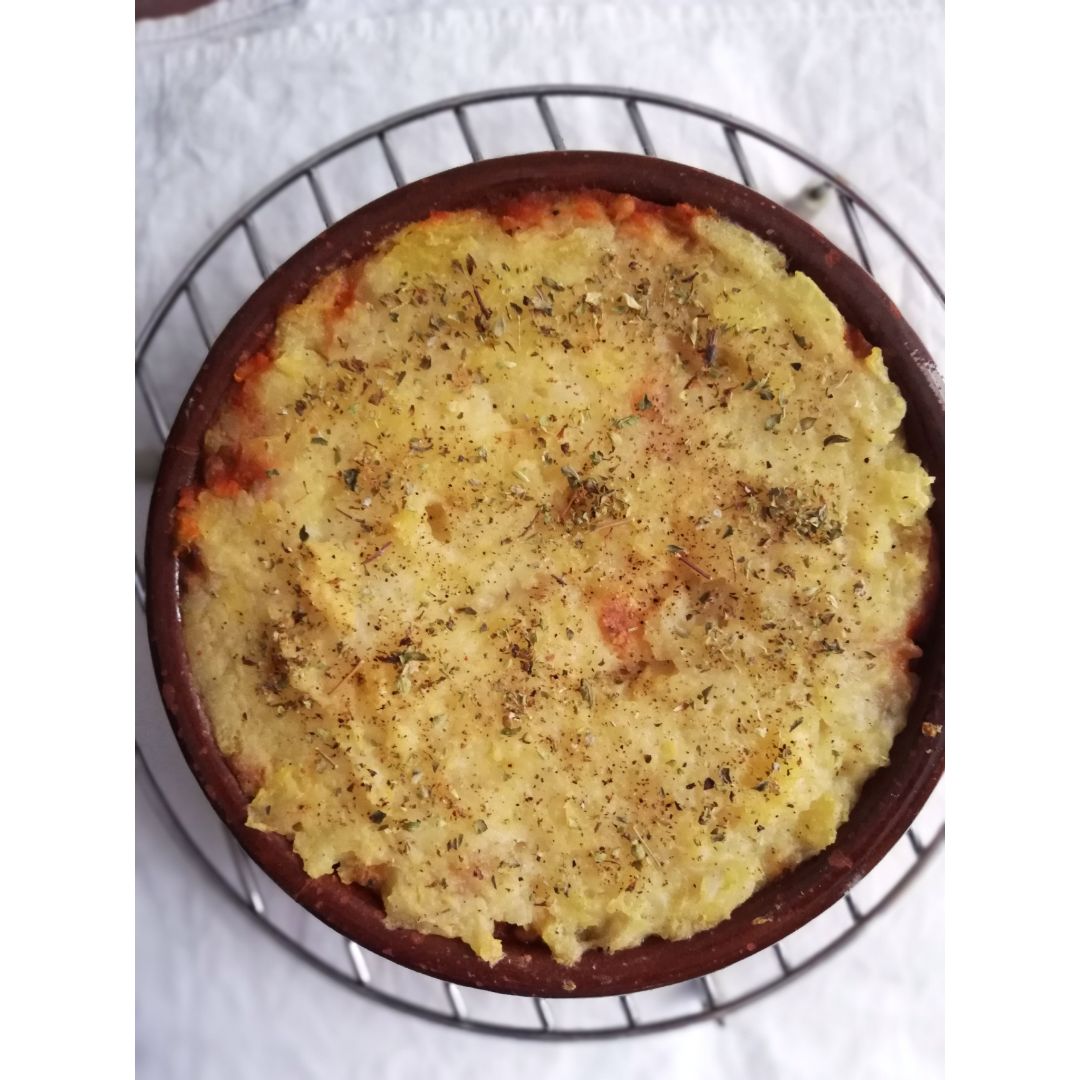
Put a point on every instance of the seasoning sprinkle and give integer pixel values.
(377, 552)
(680, 554)
(709, 356)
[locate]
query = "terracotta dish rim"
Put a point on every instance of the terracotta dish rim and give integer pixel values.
(890, 800)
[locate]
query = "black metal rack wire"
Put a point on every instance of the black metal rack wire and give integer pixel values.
(301, 203)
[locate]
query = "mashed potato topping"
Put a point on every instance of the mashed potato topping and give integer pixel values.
(557, 567)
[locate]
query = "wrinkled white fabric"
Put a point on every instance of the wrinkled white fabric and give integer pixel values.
(232, 95)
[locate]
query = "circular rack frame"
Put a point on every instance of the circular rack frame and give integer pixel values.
(237, 877)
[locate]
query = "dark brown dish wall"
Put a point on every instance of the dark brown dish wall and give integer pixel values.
(890, 800)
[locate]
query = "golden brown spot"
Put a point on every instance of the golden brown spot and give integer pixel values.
(622, 623)
(439, 521)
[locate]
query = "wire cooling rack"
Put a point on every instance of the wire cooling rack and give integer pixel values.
(265, 231)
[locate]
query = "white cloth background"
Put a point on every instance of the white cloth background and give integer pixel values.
(229, 97)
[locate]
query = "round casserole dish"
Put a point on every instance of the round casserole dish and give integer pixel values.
(889, 801)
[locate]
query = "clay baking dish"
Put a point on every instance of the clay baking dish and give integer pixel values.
(890, 800)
